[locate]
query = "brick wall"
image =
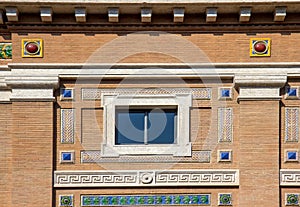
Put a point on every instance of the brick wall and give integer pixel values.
(81, 48)
(32, 154)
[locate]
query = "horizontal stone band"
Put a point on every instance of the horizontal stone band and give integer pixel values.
(146, 178)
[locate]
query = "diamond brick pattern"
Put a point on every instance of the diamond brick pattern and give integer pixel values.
(291, 124)
(67, 125)
(225, 124)
(95, 93)
(95, 157)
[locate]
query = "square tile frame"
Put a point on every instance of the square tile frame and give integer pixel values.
(220, 97)
(62, 98)
(287, 96)
(38, 54)
(266, 53)
(222, 204)
(286, 159)
(225, 150)
(286, 199)
(72, 161)
(66, 205)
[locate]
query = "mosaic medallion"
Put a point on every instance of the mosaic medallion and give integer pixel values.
(260, 47)
(5, 50)
(32, 48)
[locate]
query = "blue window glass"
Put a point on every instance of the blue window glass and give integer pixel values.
(150, 126)
(130, 127)
(161, 127)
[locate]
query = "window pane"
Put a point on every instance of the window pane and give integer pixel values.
(130, 127)
(161, 126)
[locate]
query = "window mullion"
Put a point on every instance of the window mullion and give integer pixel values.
(146, 128)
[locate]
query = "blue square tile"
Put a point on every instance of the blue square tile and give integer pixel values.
(292, 155)
(225, 93)
(66, 156)
(292, 91)
(67, 93)
(224, 155)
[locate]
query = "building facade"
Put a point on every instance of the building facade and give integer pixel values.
(149, 103)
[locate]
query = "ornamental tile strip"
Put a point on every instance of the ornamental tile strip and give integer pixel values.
(225, 124)
(91, 156)
(290, 177)
(67, 126)
(291, 124)
(95, 93)
(133, 178)
(130, 200)
(5, 50)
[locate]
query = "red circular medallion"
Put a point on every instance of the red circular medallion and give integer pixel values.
(260, 47)
(32, 47)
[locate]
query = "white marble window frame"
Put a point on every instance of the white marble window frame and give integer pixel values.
(110, 103)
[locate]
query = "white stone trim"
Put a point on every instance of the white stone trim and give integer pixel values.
(259, 93)
(183, 102)
(142, 178)
(261, 80)
(32, 95)
(290, 177)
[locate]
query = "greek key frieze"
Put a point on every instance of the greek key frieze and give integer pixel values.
(290, 177)
(146, 178)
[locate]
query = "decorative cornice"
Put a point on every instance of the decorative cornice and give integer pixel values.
(203, 12)
(145, 178)
(290, 177)
(149, 1)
